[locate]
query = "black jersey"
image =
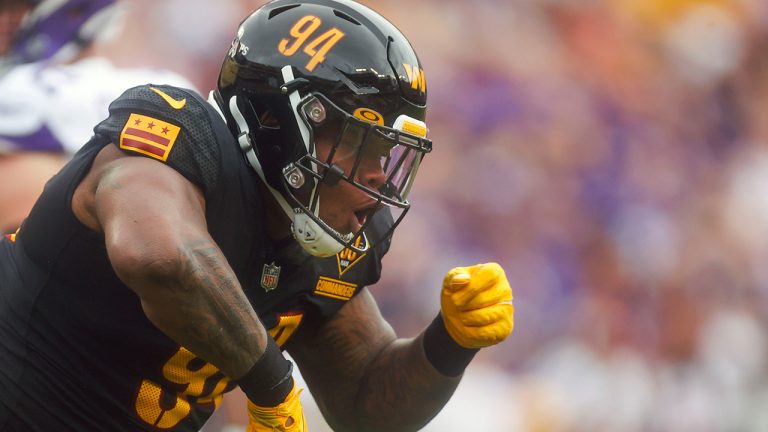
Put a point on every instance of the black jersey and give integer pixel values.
(77, 352)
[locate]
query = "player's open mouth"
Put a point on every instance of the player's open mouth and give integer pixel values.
(362, 215)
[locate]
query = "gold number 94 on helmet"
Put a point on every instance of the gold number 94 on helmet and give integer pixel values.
(327, 95)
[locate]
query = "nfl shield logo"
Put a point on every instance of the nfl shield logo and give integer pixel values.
(269, 276)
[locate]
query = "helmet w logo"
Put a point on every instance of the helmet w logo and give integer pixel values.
(416, 77)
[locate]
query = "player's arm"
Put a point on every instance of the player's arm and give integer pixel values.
(154, 226)
(366, 379)
(155, 232)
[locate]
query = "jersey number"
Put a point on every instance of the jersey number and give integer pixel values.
(196, 379)
(317, 48)
(200, 380)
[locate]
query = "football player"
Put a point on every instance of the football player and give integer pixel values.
(52, 92)
(190, 241)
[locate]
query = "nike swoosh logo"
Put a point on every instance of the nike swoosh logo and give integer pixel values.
(175, 104)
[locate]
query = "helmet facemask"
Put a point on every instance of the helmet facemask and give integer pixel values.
(349, 97)
(356, 149)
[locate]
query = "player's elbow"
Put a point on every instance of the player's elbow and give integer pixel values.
(143, 263)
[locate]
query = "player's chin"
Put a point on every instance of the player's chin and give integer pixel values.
(348, 225)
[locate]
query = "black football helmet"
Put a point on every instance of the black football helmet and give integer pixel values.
(301, 71)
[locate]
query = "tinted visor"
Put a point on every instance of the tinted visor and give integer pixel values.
(359, 149)
(380, 160)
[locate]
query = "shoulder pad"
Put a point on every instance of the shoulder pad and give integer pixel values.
(169, 124)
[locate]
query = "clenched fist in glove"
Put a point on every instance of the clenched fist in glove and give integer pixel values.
(286, 417)
(476, 304)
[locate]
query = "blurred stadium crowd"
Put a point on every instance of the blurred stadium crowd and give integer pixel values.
(612, 155)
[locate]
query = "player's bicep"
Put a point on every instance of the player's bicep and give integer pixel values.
(145, 209)
(334, 358)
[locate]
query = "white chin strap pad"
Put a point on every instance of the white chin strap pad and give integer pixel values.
(313, 238)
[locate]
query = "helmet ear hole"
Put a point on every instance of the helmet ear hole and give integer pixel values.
(268, 119)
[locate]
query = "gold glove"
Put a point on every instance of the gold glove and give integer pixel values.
(286, 417)
(476, 304)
